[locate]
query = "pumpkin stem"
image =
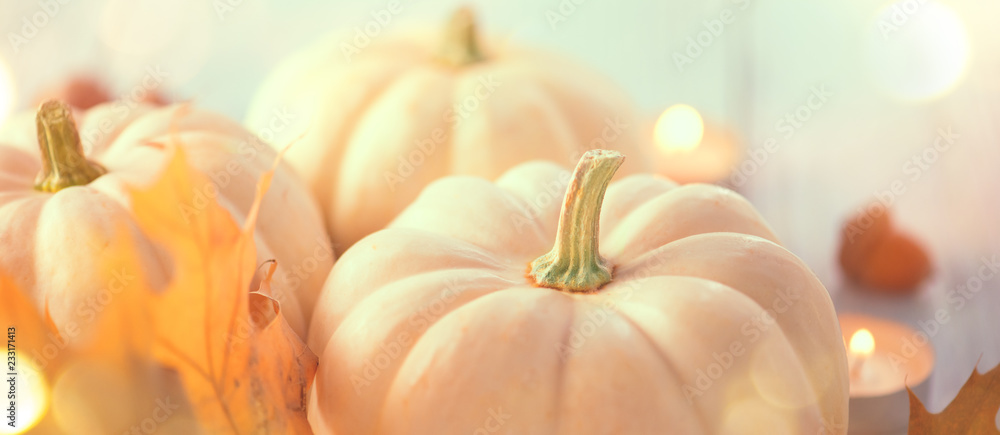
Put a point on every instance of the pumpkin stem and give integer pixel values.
(574, 264)
(63, 162)
(460, 46)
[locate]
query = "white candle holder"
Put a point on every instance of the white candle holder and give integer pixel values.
(902, 357)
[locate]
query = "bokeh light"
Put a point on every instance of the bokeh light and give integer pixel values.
(918, 50)
(679, 128)
(32, 398)
(862, 343)
(779, 380)
(138, 28)
(752, 416)
(74, 390)
(176, 39)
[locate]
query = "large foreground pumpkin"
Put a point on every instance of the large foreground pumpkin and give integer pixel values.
(64, 204)
(383, 120)
(686, 318)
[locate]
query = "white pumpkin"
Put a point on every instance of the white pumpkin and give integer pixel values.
(686, 318)
(62, 210)
(383, 120)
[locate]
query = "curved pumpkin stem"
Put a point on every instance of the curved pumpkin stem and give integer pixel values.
(63, 162)
(575, 264)
(460, 46)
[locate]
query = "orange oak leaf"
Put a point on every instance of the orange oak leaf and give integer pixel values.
(104, 381)
(34, 343)
(973, 411)
(111, 381)
(243, 367)
(31, 332)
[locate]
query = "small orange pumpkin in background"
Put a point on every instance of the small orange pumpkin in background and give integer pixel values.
(80, 92)
(384, 120)
(84, 91)
(660, 309)
(64, 202)
(880, 257)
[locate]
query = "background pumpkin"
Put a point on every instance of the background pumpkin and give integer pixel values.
(53, 239)
(83, 91)
(384, 120)
(692, 320)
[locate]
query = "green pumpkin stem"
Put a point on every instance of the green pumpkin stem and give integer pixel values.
(460, 46)
(63, 162)
(575, 264)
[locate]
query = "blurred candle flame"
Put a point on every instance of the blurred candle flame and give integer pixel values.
(679, 128)
(861, 347)
(918, 50)
(862, 343)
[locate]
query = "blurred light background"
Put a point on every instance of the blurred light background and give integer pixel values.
(892, 76)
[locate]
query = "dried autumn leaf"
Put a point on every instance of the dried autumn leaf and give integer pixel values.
(244, 369)
(270, 328)
(31, 337)
(102, 382)
(112, 383)
(18, 311)
(973, 411)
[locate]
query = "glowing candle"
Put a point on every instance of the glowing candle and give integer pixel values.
(883, 358)
(689, 151)
(861, 348)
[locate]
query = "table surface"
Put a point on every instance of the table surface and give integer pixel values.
(806, 193)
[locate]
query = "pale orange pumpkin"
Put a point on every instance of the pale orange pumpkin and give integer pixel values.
(64, 201)
(383, 120)
(661, 309)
